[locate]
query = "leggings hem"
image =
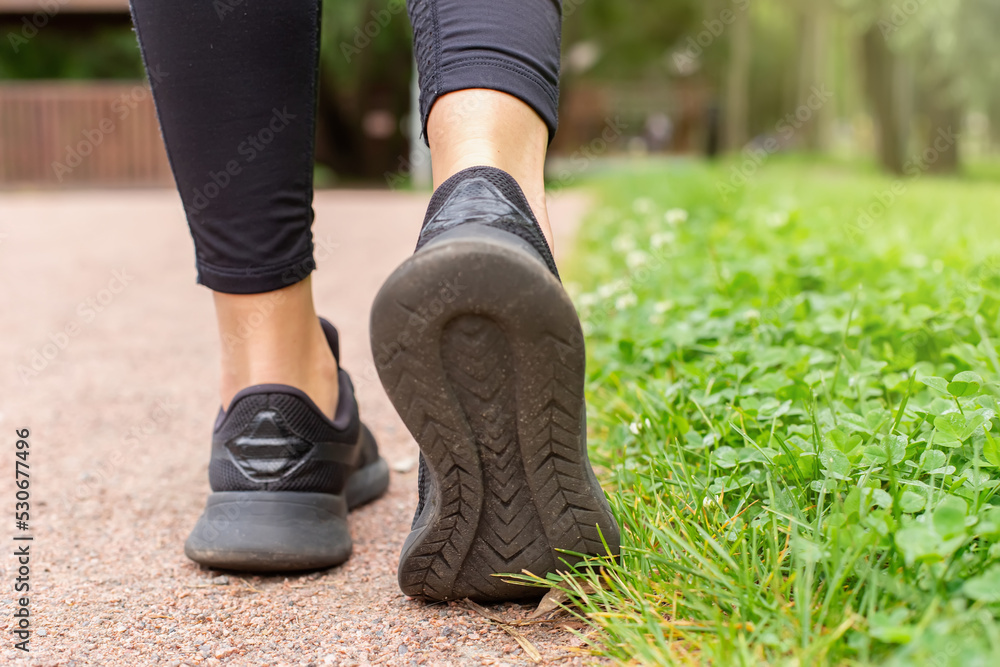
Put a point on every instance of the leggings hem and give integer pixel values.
(499, 75)
(255, 280)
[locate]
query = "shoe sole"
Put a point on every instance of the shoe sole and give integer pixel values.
(281, 531)
(480, 350)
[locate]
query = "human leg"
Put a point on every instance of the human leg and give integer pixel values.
(476, 342)
(235, 92)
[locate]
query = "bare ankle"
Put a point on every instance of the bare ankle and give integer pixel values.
(476, 127)
(275, 338)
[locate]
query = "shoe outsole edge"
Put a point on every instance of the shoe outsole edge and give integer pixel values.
(282, 531)
(480, 350)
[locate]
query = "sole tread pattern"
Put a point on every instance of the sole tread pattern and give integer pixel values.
(433, 565)
(554, 452)
(479, 365)
(490, 384)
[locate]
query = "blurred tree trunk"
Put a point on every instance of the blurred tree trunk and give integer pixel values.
(945, 121)
(364, 90)
(882, 70)
(814, 47)
(337, 138)
(943, 112)
(735, 133)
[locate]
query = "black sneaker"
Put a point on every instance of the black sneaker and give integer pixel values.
(480, 350)
(283, 478)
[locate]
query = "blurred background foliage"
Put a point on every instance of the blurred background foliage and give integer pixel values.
(685, 76)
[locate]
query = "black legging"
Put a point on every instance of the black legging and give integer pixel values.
(236, 96)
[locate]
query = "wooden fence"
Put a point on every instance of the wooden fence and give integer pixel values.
(80, 134)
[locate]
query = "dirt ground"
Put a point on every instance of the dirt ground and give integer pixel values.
(119, 401)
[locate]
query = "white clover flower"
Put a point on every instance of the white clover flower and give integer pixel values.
(626, 301)
(662, 306)
(751, 314)
(661, 239)
(642, 205)
(776, 219)
(587, 299)
(623, 243)
(675, 216)
(635, 259)
(634, 428)
(608, 290)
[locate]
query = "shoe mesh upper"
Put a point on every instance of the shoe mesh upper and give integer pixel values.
(274, 438)
(234, 461)
(509, 210)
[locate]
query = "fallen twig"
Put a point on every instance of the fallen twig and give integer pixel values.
(529, 649)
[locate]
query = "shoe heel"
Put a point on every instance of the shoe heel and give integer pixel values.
(268, 531)
(367, 484)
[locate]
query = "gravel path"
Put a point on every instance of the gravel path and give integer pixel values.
(120, 405)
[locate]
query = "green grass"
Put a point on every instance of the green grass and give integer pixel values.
(795, 414)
